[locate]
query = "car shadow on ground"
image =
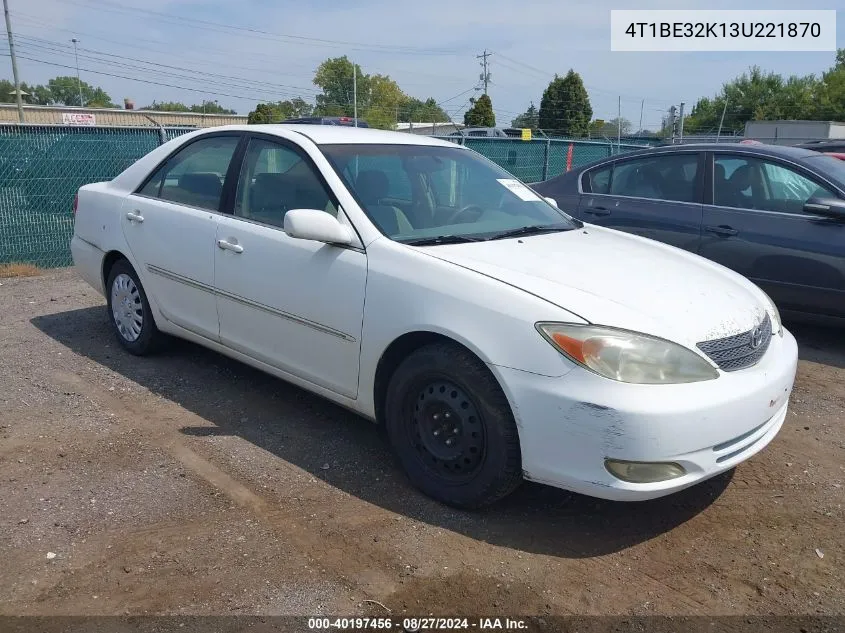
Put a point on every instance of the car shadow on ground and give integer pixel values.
(819, 344)
(311, 433)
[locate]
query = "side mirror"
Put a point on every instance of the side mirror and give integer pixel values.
(319, 226)
(552, 202)
(828, 207)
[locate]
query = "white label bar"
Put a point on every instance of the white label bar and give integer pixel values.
(678, 30)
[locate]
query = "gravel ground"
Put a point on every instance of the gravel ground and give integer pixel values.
(187, 483)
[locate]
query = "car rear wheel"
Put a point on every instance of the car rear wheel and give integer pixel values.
(452, 427)
(129, 311)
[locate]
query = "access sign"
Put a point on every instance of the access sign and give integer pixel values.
(526, 134)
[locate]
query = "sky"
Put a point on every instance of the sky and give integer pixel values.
(246, 51)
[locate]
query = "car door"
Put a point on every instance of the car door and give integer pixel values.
(757, 226)
(294, 304)
(656, 196)
(170, 224)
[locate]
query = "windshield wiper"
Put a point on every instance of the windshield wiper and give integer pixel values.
(530, 230)
(441, 239)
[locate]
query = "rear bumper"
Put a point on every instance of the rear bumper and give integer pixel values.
(88, 262)
(568, 426)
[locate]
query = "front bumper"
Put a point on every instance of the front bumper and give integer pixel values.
(569, 425)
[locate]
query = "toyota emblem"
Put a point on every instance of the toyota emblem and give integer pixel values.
(757, 337)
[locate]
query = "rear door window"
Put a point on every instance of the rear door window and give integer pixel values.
(671, 177)
(195, 175)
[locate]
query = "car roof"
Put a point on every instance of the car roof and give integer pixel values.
(339, 134)
(784, 151)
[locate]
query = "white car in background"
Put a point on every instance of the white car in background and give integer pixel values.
(420, 285)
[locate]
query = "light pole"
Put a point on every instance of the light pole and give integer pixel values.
(78, 81)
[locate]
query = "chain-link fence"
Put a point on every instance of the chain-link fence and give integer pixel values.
(43, 166)
(41, 169)
(540, 159)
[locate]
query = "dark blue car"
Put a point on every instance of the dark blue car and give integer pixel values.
(773, 214)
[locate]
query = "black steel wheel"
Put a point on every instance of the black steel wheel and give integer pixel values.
(452, 428)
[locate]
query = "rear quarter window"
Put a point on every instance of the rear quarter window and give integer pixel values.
(597, 180)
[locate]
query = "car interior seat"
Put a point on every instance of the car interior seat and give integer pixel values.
(372, 186)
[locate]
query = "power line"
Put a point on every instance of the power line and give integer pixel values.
(218, 27)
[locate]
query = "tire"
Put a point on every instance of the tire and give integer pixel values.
(452, 428)
(133, 322)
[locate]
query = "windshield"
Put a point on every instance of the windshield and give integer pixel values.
(416, 192)
(832, 168)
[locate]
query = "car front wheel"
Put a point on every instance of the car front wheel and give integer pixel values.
(452, 428)
(129, 311)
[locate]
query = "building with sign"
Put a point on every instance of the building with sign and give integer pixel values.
(66, 115)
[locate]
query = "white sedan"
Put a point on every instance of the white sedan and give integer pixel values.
(420, 285)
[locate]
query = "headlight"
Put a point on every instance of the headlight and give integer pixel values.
(777, 325)
(627, 356)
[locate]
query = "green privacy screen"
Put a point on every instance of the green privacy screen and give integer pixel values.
(42, 167)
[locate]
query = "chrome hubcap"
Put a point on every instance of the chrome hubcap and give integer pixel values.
(127, 309)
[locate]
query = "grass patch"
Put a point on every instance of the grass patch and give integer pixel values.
(19, 270)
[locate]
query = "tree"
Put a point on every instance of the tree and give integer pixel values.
(334, 78)
(481, 113)
(65, 91)
(7, 92)
(280, 111)
(210, 107)
(427, 111)
(381, 109)
(565, 107)
(206, 107)
(167, 106)
(528, 119)
(757, 95)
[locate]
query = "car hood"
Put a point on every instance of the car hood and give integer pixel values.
(611, 278)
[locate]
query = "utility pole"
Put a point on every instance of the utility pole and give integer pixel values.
(354, 95)
(78, 80)
(673, 116)
(485, 75)
(619, 126)
(681, 124)
(721, 121)
(642, 105)
(18, 98)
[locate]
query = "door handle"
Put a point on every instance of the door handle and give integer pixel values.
(135, 216)
(723, 231)
(597, 211)
(228, 246)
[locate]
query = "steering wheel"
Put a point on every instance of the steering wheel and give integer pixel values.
(465, 209)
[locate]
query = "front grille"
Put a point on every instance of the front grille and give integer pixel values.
(736, 352)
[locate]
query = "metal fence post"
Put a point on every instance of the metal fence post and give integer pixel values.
(546, 154)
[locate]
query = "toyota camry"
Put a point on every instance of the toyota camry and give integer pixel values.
(416, 283)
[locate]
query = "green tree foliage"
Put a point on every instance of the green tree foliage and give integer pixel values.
(334, 78)
(381, 102)
(480, 113)
(7, 92)
(58, 91)
(167, 106)
(65, 91)
(565, 108)
(757, 95)
(280, 111)
(427, 111)
(528, 119)
(206, 107)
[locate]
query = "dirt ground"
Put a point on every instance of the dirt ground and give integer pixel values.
(187, 483)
